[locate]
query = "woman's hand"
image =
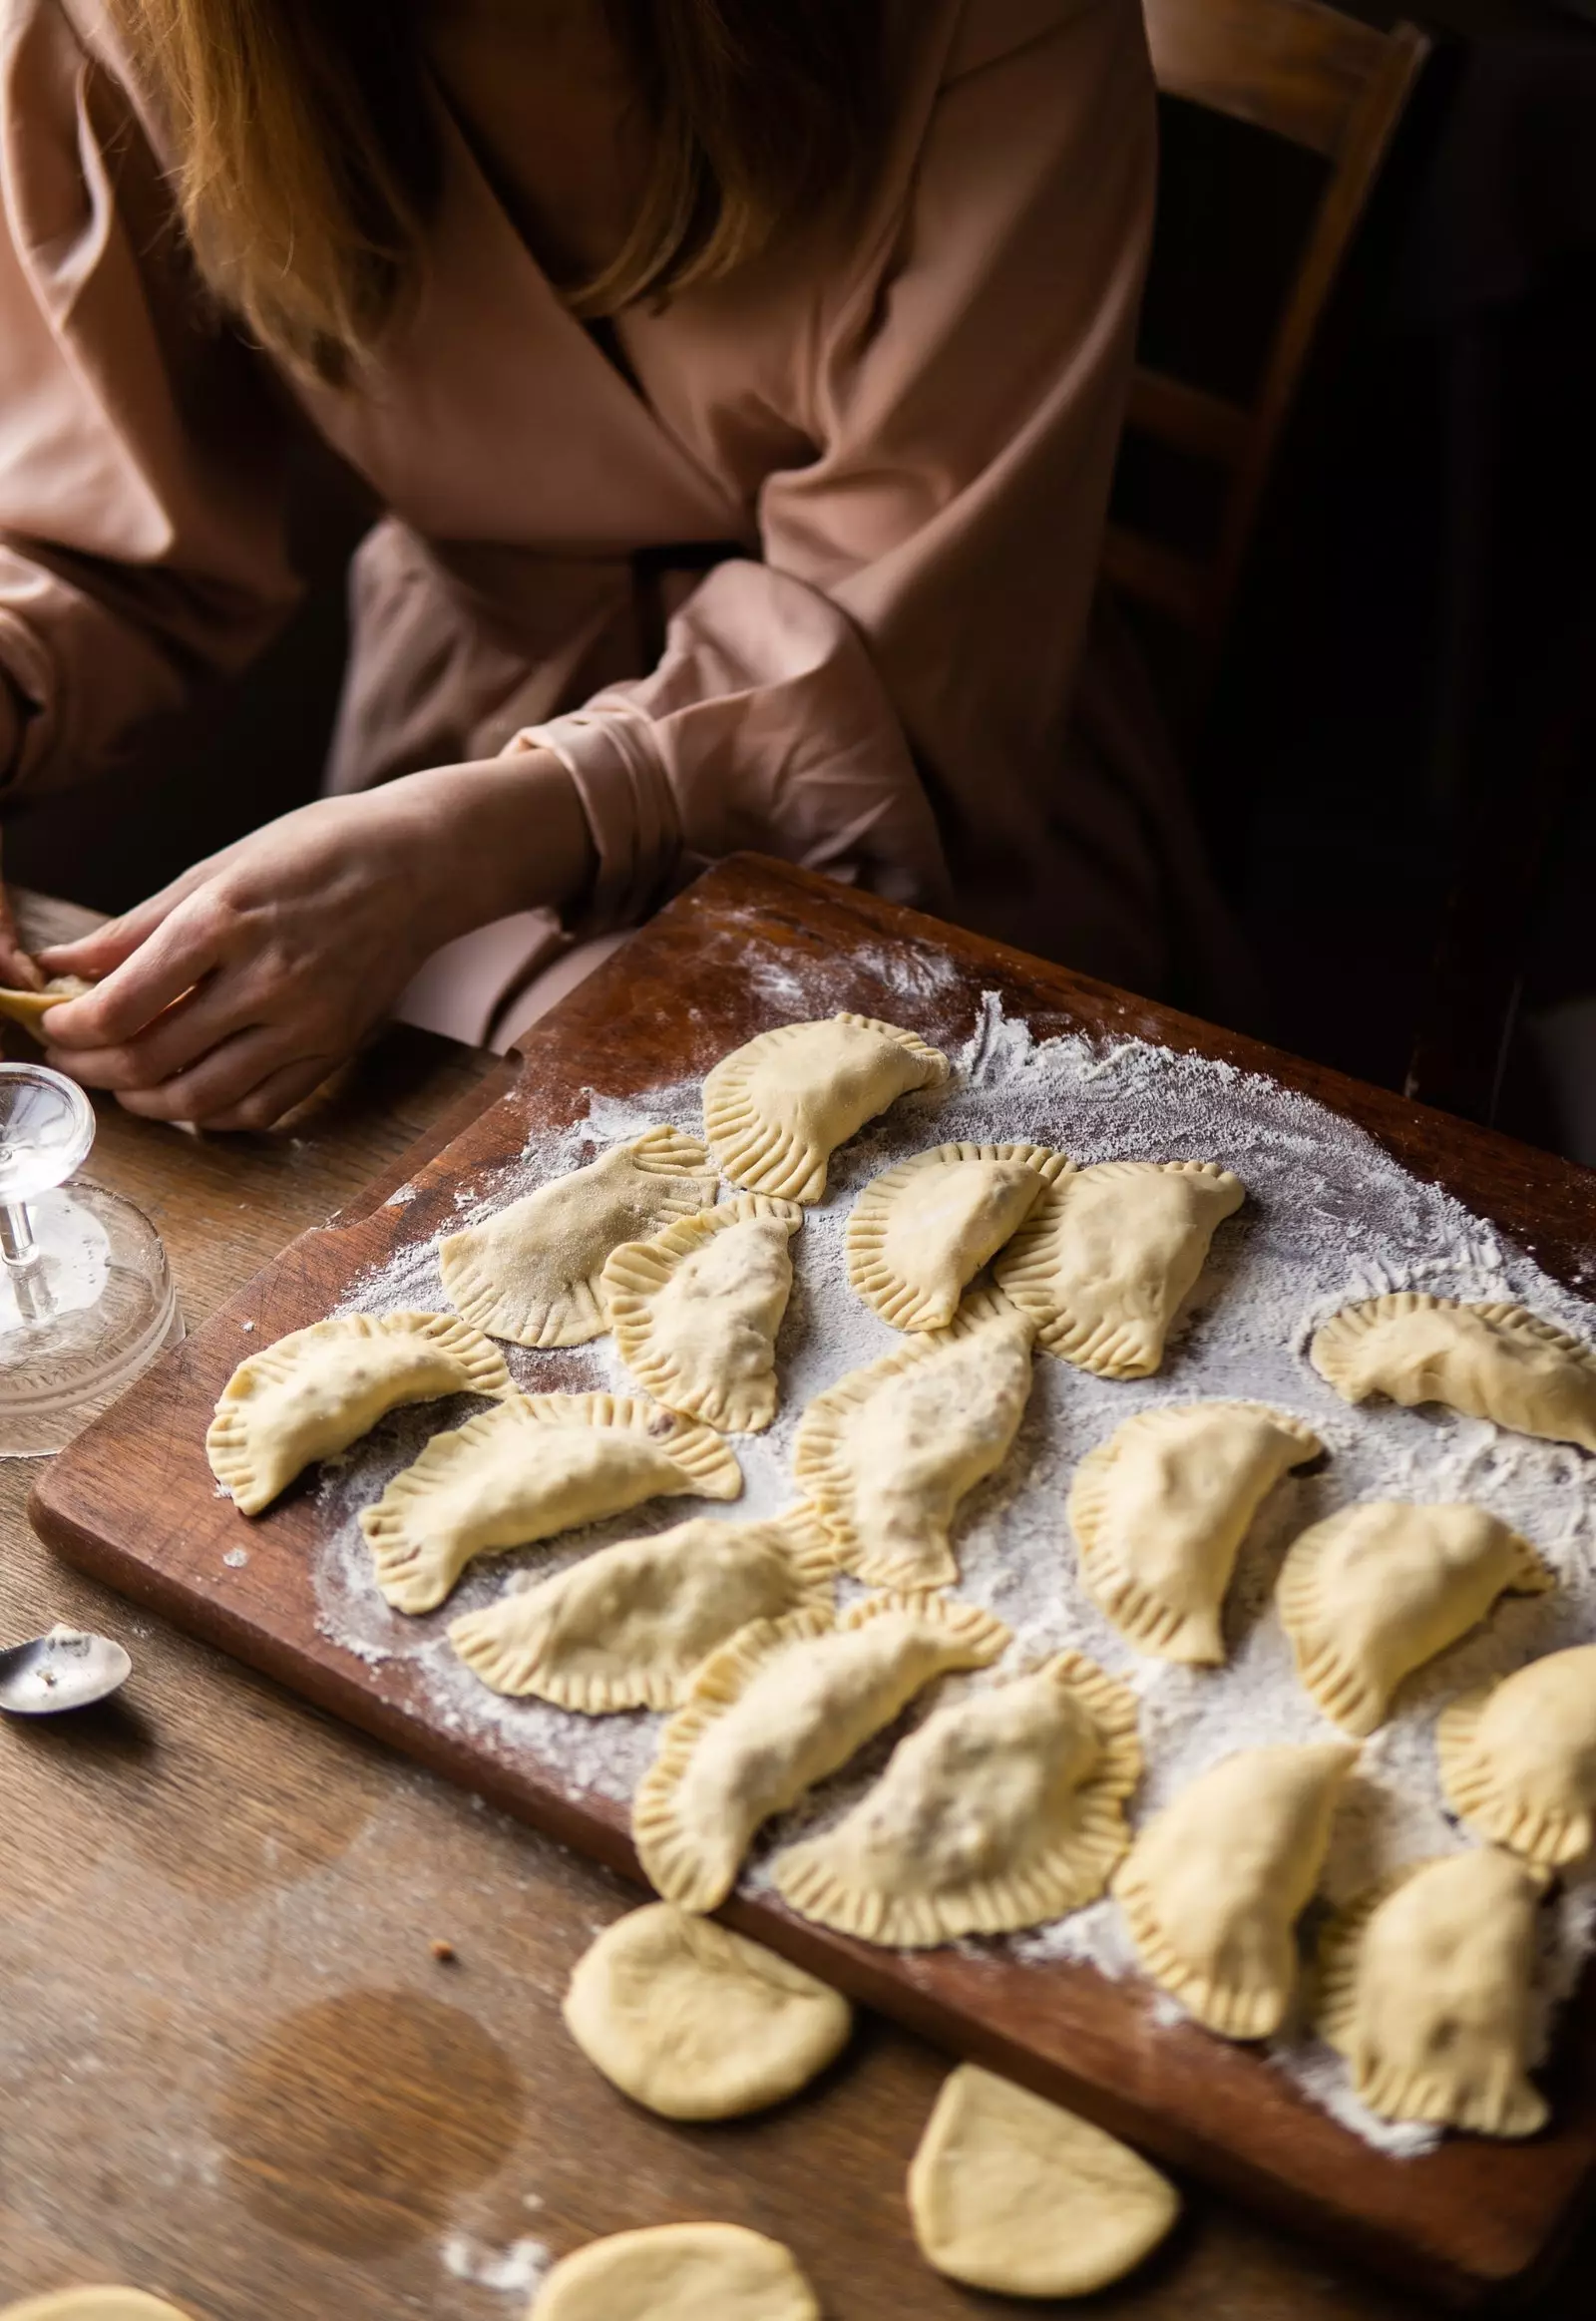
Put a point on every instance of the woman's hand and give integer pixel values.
(232, 993)
(17, 970)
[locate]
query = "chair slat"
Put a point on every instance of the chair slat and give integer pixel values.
(1151, 574)
(1295, 68)
(1189, 417)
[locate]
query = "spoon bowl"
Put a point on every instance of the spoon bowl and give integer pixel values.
(68, 1669)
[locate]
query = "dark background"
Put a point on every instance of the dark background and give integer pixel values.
(1418, 615)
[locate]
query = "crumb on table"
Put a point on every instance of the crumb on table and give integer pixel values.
(444, 1952)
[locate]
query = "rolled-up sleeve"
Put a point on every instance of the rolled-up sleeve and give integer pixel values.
(142, 528)
(763, 726)
(889, 688)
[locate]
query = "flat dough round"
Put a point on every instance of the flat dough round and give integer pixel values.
(695, 2023)
(678, 2272)
(30, 1008)
(93, 2305)
(1010, 2193)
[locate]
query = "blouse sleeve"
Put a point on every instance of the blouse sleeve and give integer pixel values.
(914, 631)
(142, 530)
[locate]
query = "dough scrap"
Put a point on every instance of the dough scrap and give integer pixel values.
(1518, 1758)
(886, 1455)
(1106, 1256)
(783, 1704)
(538, 1464)
(628, 1628)
(695, 1310)
(1160, 1512)
(1379, 1589)
(678, 2272)
(95, 2304)
(532, 1273)
(1493, 1362)
(1013, 2193)
(1214, 1885)
(1001, 1811)
(776, 1109)
(29, 1008)
(696, 2023)
(317, 1390)
(1424, 1989)
(923, 1230)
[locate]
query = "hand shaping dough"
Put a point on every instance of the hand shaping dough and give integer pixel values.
(319, 1389)
(1104, 1259)
(783, 1704)
(532, 1273)
(93, 2305)
(1010, 2193)
(1518, 1760)
(776, 1110)
(1490, 1362)
(538, 1464)
(924, 1229)
(1374, 1591)
(1424, 1989)
(1001, 1810)
(1214, 1885)
(30, 1008)
(1160, 1512)
(678, 2272)
(627, 1628)
(695, 2023)
(696, 1310)
(886, 1455)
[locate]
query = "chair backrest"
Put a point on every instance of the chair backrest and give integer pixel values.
(1338, 87)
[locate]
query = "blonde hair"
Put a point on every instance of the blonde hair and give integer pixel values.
(307, 167)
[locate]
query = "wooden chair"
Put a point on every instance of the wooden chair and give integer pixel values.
(1323, 82)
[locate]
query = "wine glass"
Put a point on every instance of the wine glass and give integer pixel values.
(86, 1296)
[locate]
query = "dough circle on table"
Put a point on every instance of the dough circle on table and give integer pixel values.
(695, 2023)
(678, 2272)
(1010, 2193)
(30, 1007)
(93, 2305)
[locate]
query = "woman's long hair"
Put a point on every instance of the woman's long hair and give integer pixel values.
(306, 161)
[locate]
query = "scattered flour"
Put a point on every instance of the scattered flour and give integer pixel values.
(516, 2269)
(1330, 1218)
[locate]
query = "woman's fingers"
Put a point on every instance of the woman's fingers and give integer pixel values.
(17, 970)
(278, 1093)
(177, 1038)
(234, 1086)
(98, 954)
(179, 953)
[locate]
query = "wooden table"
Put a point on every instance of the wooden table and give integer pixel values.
(234, 2071)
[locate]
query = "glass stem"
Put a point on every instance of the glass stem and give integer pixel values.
(16, 1244)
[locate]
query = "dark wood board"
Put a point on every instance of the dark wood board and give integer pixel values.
(132, 1503)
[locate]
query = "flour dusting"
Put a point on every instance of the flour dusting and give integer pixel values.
(1330, 1218)
(515, 2269)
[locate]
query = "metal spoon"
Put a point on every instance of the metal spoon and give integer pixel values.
(68, 1669)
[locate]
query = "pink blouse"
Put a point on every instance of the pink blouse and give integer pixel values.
(900, 463)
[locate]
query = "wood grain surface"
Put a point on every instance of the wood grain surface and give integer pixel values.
(237, 2073)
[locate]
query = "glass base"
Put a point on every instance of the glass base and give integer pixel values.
(81, 1318)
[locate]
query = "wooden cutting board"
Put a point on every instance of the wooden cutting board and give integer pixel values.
(134, 1503)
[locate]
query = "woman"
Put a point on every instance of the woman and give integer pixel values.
(741, 383)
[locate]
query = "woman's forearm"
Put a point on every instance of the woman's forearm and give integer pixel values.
(503, 835)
